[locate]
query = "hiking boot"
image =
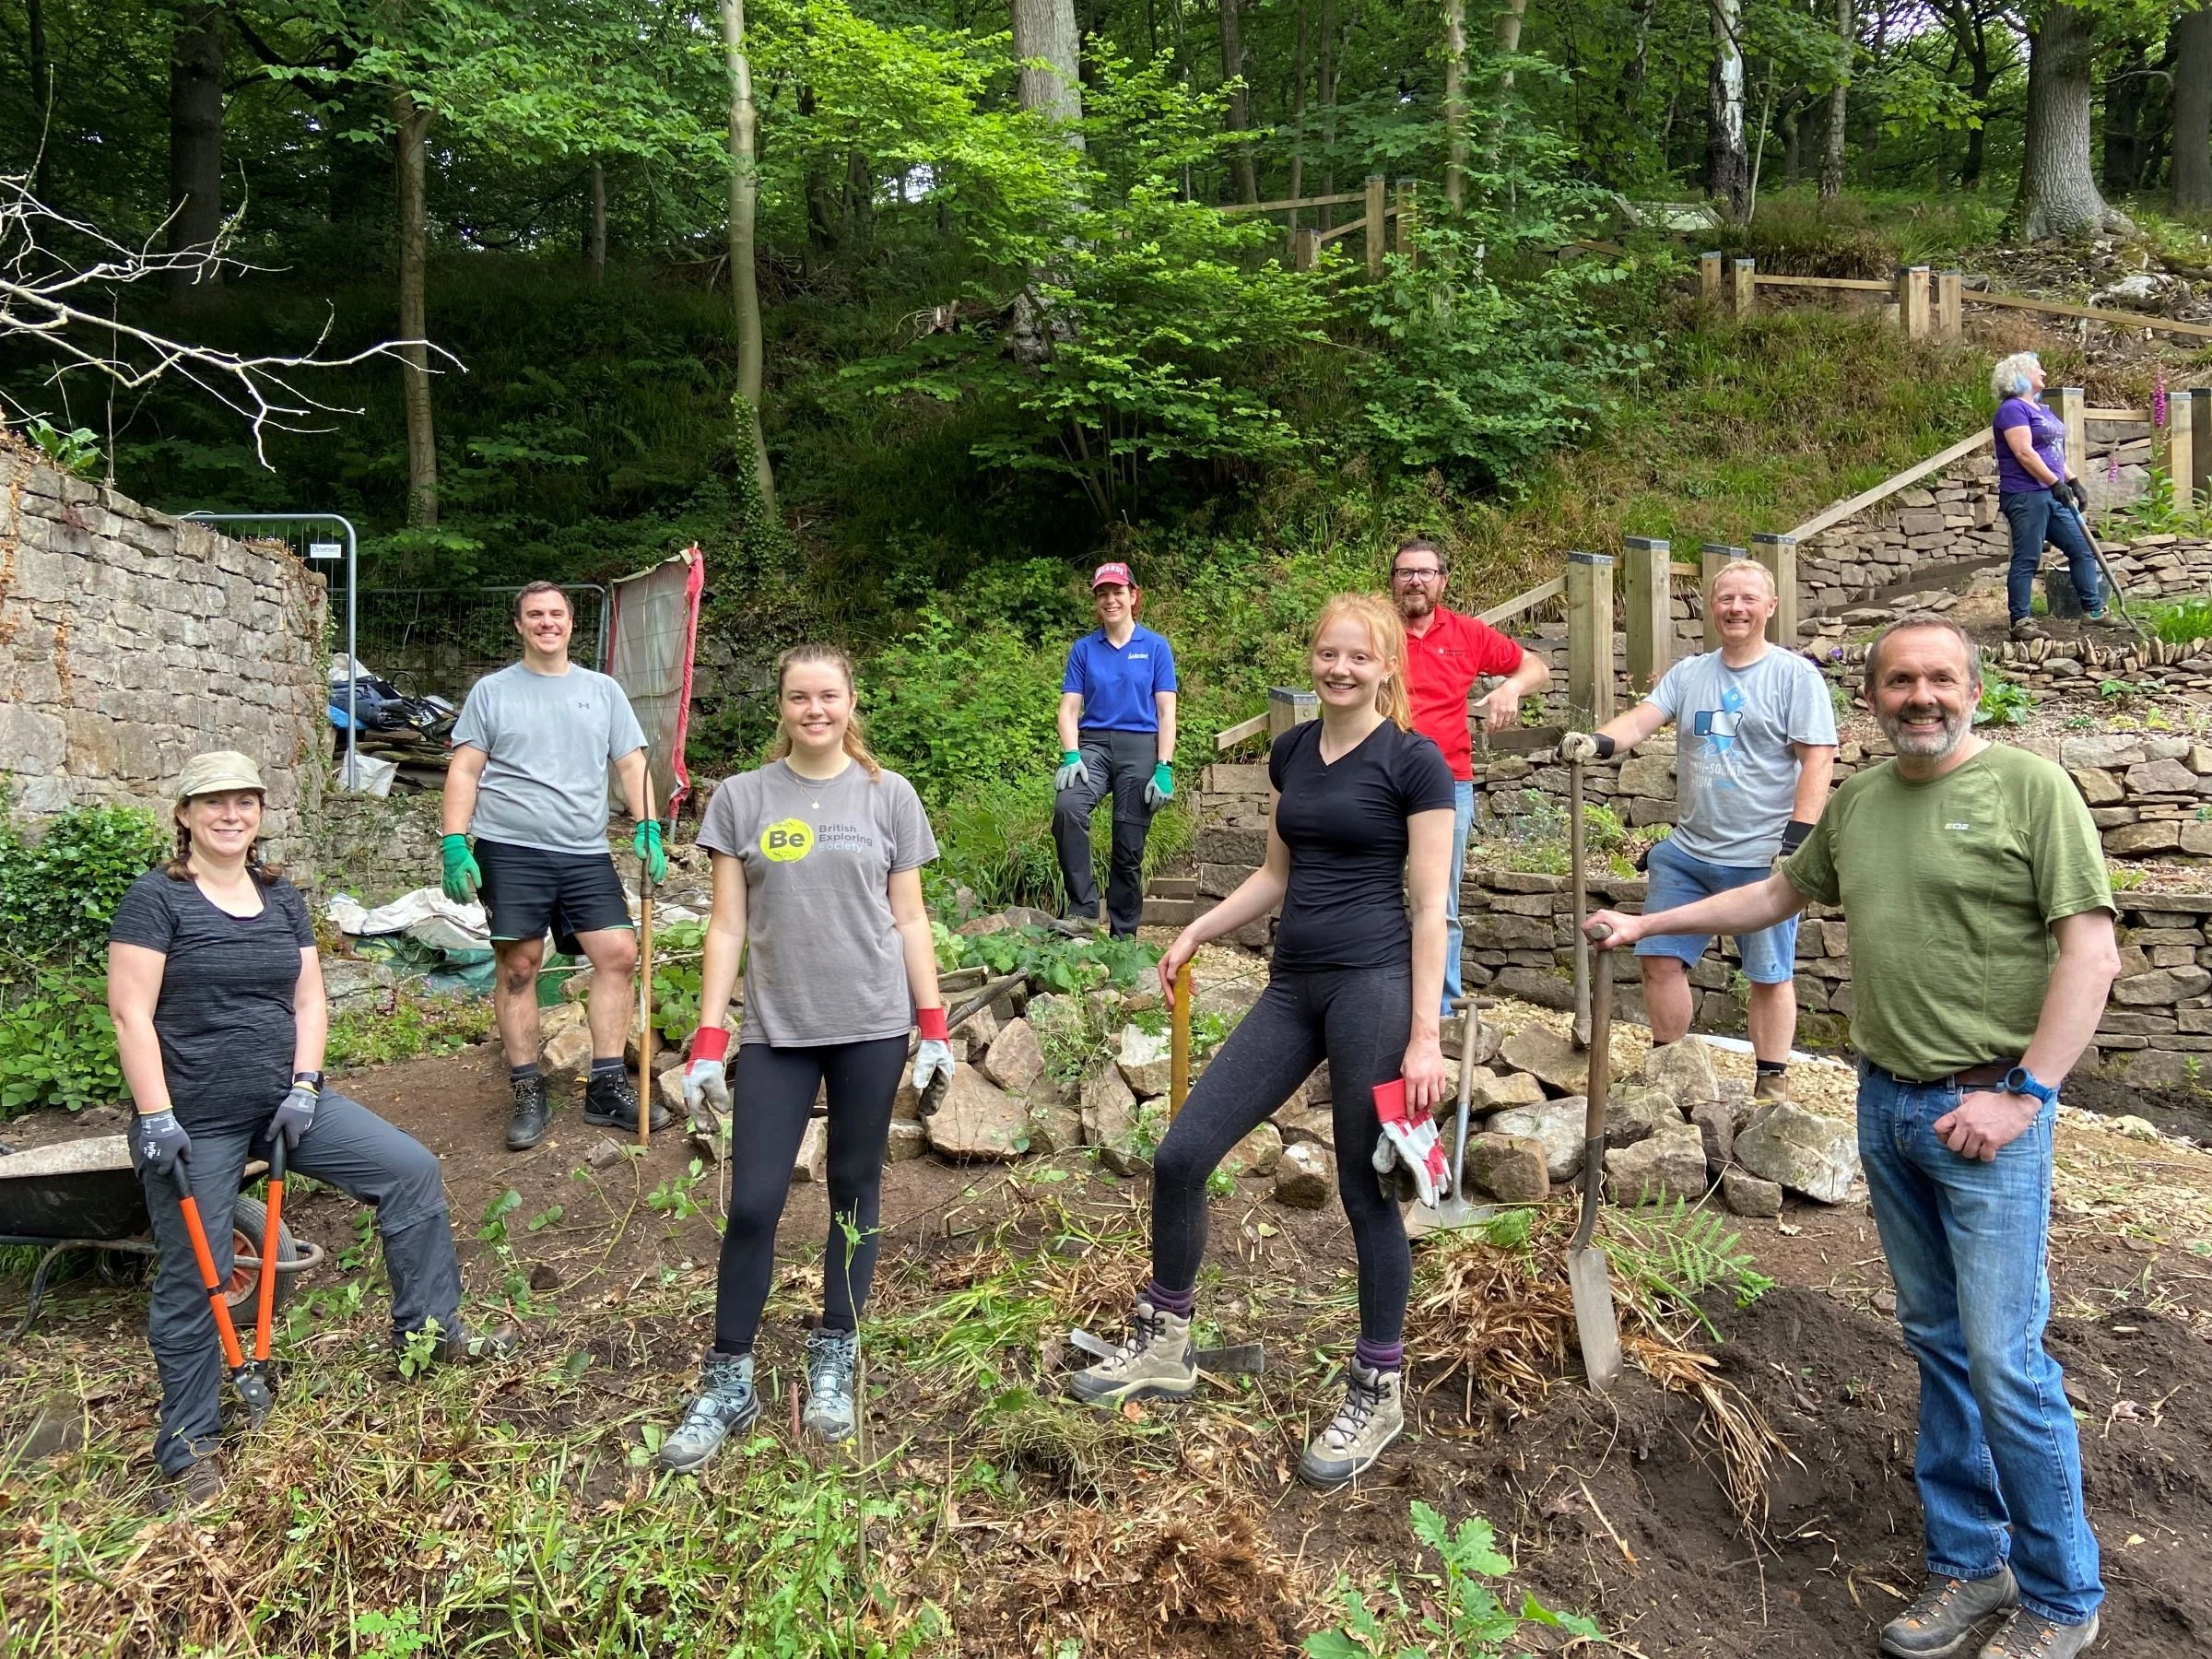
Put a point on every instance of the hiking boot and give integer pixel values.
(1945, 1614)
(832, 1359)
(725, 1403)
(195, 1486)
(2028, 627)
(2032, 1636)
(610, 1102)
(533, 1114)
(1372, 1415)
(461, 1345)
(1770, 1087)
(2103, 616)
(1154, 1362)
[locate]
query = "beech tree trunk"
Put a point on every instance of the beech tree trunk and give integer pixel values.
(1240, 103)
(1298, 114)
(1328, 92)
(1045, 34)
(195, 146)
(1838, 104)
(2191, 40)
(2058, 196)
(412, 124)
(1456, 101)
(594, 252)
(744, 203)
(1727, 166)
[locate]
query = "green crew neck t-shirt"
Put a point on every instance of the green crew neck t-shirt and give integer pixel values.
(1948, 888)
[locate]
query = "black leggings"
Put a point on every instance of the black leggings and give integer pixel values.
(1358, 1020)
(771, 1094)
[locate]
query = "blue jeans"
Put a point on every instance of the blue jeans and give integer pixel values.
(1462, 826)
(1999, 1466)
(1678, 879)
(2036, 516)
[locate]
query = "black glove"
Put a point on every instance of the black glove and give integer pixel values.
(158, 1140)
(296, 1117)
(1793, 834)
(2070, 489)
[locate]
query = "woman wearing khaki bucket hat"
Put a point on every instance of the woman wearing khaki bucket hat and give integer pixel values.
(217, 995)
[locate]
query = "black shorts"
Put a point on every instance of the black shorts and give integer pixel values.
(527, 891)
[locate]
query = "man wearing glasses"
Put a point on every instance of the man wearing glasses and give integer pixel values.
(1446, 654)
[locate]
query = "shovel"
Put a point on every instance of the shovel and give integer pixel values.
(1238, 1360)
(253, 1391)
(1594, 1322)
(1582, 903)
(1453, 1210)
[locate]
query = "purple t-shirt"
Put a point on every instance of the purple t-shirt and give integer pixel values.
(2046, 432)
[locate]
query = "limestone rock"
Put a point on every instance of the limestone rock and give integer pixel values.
(1298, 1122)
(1685, 1070)
(908, 1141)
(1715, 1123)
(1257, 1153)
(349, 983)
(1801, 1150)
(977, 1119)
(1315, 1089)
(1749, 1195)
(1306, 1176)
(1634, 1114)
(1146, 1059)
(981, 1029)
(1054, 1128)
(1015, 1059)
(564, 1053)
(1490, 1093)
(1737, 1094)
(1511, 1167)
(1556, 1124)
(2161, 986)
(1109, 1117)
(1668, 1165)
(906, 1101)
(2157, 836)
(1550, 1055)
(811, 1162)
(1485, 1046)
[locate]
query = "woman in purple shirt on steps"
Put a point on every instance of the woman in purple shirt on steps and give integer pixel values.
(2040, 502)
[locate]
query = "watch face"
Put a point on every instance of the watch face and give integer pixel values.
(2017, 1080)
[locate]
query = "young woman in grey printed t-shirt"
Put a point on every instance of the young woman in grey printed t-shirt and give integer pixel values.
(818, 885)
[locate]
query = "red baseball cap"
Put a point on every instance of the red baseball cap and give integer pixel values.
(1112, 573)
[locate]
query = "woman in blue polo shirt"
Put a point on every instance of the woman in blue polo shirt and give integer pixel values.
(1117, 731)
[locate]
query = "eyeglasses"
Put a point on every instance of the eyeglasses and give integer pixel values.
(1431, 574)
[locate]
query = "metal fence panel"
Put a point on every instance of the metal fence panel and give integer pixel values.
(437, 640)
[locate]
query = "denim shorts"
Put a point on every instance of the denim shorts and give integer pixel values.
(1769, 954)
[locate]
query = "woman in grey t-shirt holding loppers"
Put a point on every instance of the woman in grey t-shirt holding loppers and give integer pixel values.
(818, 859)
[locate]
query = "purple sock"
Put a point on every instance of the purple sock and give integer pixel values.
(1380, 1355)
(1178, 1302)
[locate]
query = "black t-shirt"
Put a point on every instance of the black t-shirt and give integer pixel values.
(225, 1013)
(1345, 824)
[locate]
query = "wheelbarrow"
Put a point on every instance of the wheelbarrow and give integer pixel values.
(83, 1195)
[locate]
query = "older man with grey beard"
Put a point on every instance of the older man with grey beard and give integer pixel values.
(1982, 947)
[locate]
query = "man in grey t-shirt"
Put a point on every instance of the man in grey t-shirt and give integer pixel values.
(1755, 748)
(529, 778)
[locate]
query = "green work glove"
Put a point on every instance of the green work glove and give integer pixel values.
(649, 849)
(1162, 787)
(1071, 770)
(462, 877)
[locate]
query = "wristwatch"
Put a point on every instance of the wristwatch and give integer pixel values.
(2020, 1080)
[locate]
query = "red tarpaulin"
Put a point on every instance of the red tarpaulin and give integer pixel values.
(652, 630)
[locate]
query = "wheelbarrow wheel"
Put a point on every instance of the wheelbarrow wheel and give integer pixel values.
(249, 1221)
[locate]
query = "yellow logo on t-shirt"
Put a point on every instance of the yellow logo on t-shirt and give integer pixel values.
(787, 841)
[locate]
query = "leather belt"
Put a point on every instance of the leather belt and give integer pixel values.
(1986, 1076)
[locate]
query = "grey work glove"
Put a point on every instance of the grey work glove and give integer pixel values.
(158, 1140)
(1071, 770)
(296, 1116)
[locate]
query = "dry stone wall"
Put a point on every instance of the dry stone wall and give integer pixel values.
(130, 641)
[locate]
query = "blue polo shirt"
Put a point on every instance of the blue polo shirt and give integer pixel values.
(1117, 687)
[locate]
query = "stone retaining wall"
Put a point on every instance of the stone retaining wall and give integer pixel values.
(130, 641)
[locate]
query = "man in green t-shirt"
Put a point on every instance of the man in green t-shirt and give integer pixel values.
(1982, 947)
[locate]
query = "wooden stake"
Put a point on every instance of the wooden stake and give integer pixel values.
(1709, 278)
(1650, 619)
(1378, 207)
(1713, 555)
(1745, 293)
(1179, 1052)
(646, 1002)
(1778, 554)
(1589, 640)
(1949, 313)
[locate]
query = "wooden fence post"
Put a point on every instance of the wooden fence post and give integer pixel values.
(1913, 300)
(1713, 555)
(2183, 439)
(1378, 207)
(1288, 706)
(1589, 640)
(1409, 219)
(1305, 249)
(1709, 278)
(1778, 554)
(1650, 621)
(2200, 424)
(1950, 324)
(2068, 404)
(1743, 292)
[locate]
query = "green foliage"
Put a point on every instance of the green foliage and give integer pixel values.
(1452, 1613)
(57, 1045)
(418, 1023)
(1050, 959)
(2159, 510)
(76, 452)
(2179, 621)
(1670, 1254)
(2005, 701)
(964, 702)
(677, 947)
(62, 877)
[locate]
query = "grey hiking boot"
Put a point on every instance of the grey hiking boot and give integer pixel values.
(1372, 1415)
(832, 1357)
(1769, 1087)
(1153, 1362)
(1945, 1614)
(727, 1404)
(533, 1114)
(610, 1102)
(2028, 627)
(2103, 616)
(2032, 1636)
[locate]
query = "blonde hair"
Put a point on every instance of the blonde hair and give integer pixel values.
(2010, 377)
(1735, 567)
(1386, 634)
(856, 737)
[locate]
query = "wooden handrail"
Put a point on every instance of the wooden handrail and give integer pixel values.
(1327, 201)
(1523, 602)
(1890, 487)
(2126, 319)
(1864, 284)
(1239, 732)
(2118, 415)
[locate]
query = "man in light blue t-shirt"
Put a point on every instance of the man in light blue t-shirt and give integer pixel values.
(1755, 748)
(1117, 731)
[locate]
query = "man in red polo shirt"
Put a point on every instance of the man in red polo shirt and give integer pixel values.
(1446, 654)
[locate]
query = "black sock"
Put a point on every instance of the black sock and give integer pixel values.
(516, 1073)
(611, 1066)
(1774, 1068)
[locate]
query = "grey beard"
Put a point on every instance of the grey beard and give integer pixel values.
(1954, 731)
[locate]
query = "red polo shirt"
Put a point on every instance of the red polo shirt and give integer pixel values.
(1444, 664)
